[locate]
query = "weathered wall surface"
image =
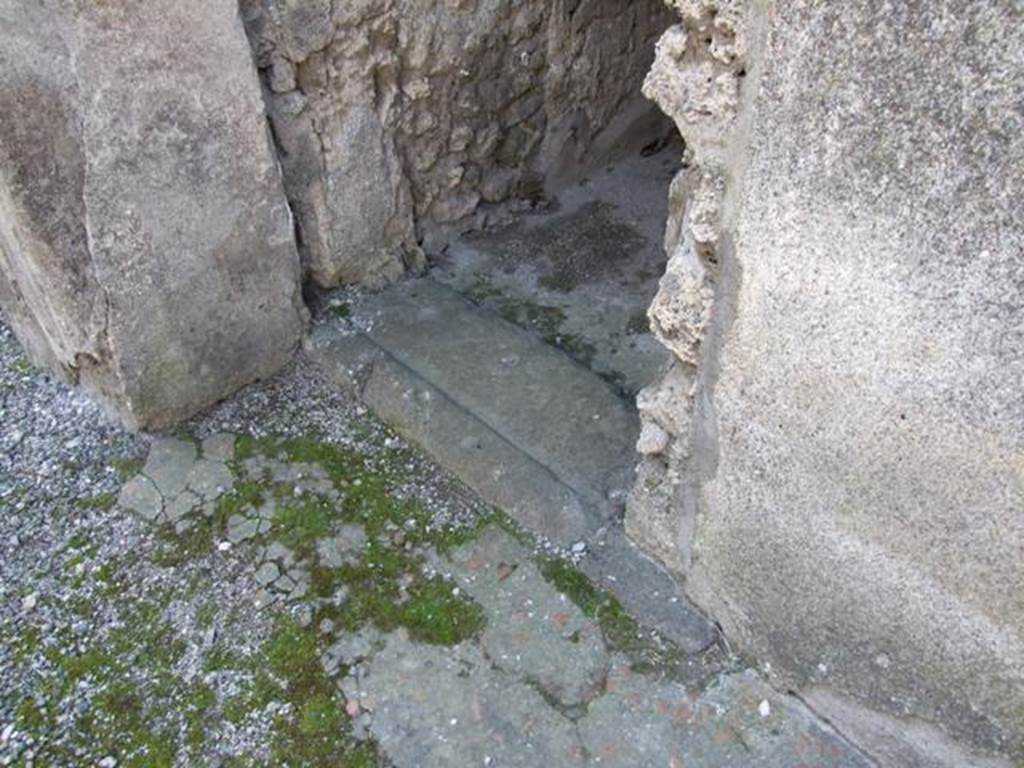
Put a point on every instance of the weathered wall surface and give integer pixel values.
(400, 119)
(836, 462)
(146, 247)
(696, 79)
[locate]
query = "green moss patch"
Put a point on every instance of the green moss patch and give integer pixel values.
(368, 496)
(199, 540)
(301, 522)
(127, 467)
(388, 590)
(316, 732)
(386, 586)
(435, 614)
(145, 712)
(145, 709)
(22, 367)
(546, 321)
(125, 718)
(102, 502)
(648, 652)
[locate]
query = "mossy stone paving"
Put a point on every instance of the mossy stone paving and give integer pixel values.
(380, 638)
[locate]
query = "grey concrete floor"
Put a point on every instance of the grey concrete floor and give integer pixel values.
(581, 271)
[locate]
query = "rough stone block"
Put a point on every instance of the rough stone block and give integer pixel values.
(394, 132)
(146, 247)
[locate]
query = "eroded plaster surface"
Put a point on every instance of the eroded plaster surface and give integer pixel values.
(401, 121)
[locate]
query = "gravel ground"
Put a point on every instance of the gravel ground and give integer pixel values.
(75, 569)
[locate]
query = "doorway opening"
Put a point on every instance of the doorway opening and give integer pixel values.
(579, 266)
(516, 357)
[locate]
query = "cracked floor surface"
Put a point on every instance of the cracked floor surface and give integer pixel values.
(288, 583)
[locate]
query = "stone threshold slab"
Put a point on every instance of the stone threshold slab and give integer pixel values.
(501, 473)
(406, 360)
(533, 395)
